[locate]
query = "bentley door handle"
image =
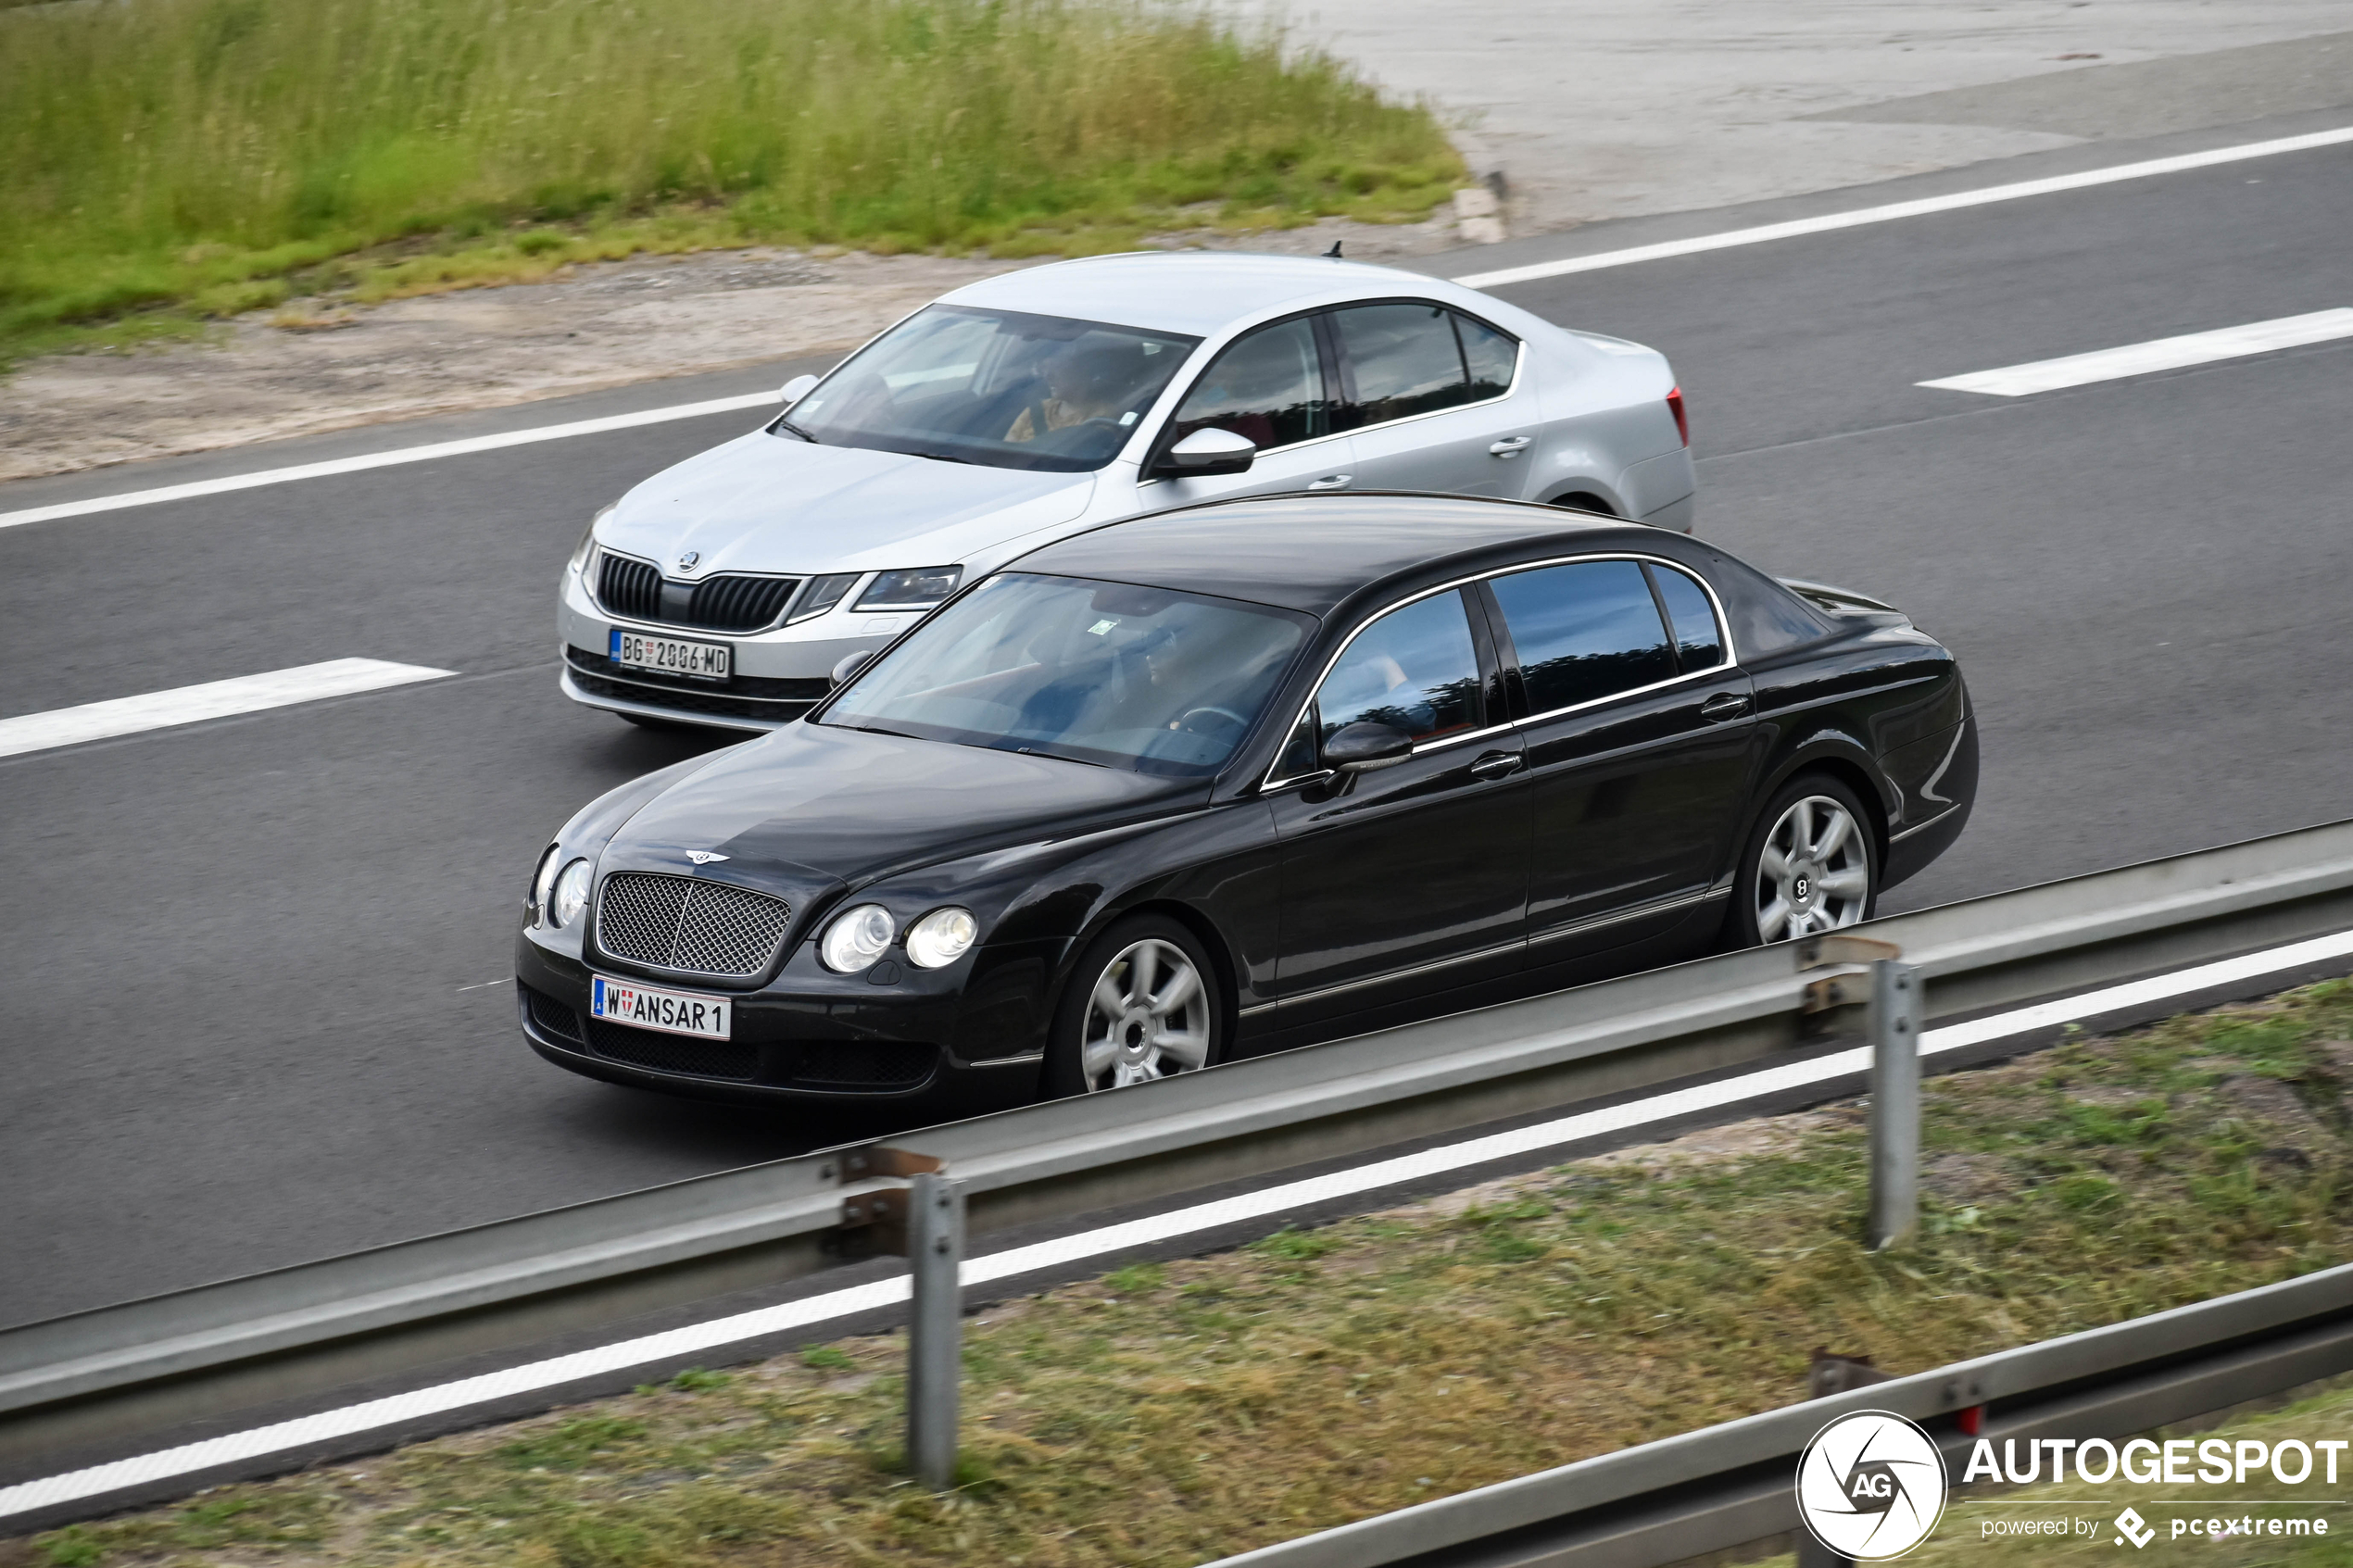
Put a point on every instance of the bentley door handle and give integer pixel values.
(1330, 482)
(1510, 446)
(1723, 706)
(1496, 765)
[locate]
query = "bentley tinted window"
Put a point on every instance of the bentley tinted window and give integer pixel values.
(1698, 644)
(1491, 356)
(1268, 388)
(1413, 670)
(1583, 630)
(1402, 360)
(1105, 673)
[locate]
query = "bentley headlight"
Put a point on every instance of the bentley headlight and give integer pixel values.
(857, 938)
(543, 881)
(941, 937)
(571, 894)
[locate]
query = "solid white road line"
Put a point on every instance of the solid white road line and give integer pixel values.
(386, 459)
(214, 700)
(1857, 219)
(695, 1339)
(2159, 353)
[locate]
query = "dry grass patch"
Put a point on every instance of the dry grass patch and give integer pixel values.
(1170, 1414)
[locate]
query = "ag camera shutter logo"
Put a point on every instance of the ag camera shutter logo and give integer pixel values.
(1870, 1485)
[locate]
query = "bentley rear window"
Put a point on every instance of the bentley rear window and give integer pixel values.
(1112, 673)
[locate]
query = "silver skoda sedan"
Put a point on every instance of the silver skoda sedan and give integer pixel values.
(727, 590)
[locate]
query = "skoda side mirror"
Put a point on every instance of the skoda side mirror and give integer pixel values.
(850, 664)
(796, 389)
(1362, 747)
(1209, 451)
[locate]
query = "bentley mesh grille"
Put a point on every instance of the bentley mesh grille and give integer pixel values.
(551, 1015)
(673, 1053)
(680, 922)
(884, 1064)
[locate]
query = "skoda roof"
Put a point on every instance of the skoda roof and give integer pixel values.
(1196, 293)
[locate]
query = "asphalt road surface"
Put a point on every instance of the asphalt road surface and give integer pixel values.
(254, 970)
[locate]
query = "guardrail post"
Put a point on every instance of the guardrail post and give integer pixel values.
(1896, 1102)
(934, 1335)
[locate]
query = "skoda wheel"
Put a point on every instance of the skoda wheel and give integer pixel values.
(1810, 865)
(1142, 1004)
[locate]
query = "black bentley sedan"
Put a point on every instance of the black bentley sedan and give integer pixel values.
(1237, 777)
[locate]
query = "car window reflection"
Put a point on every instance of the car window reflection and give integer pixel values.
(1001, 388)
(1105, 673)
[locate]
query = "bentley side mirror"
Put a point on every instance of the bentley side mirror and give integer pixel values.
(853, 662)
(796, 389)
(1364, 745)
(1209, 451)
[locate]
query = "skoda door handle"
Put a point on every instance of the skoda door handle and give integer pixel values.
(1510, 446)
(1331, 482)
(1723, 706)
(1496, 765)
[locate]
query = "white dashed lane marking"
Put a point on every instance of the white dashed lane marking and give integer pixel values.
(214, 700)
(2159, 353)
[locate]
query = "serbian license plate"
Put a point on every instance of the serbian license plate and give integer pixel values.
(703, 661)
(648, 1006)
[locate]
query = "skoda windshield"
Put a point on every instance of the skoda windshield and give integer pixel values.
(997, 387)
(1111, 673)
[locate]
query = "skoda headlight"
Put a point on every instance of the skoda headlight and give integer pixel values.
(570, 894)
(587, 545)
(918, 589)
(941, 937)
(543, 878)
(857, 938)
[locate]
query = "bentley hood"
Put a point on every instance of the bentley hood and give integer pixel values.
(773, 503)
(813, 806)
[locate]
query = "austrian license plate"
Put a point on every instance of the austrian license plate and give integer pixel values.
(649, 1007)
(671, 656)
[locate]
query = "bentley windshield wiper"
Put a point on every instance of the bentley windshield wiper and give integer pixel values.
(783, 423)
(941, 457)
(879, 730)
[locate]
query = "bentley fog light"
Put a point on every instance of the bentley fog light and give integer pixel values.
(571, 894)
(857, 938)
(941, 937)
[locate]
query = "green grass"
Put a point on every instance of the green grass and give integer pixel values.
(163, 161)
(1174, 1413)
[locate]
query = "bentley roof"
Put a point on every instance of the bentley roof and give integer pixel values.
(1312, 552)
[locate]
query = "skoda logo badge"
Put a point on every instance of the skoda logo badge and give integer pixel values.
(1870, 1485)
(687, 561)
(704, 857)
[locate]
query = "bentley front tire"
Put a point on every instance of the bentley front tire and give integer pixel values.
(1143, 1003)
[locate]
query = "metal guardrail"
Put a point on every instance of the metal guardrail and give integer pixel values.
(1732, 1484)
(119, 1372)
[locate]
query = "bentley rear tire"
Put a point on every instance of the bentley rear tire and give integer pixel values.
(1810, 865)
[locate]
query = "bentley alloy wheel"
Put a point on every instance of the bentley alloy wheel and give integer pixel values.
(1814, 873)
(1147, 1017)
